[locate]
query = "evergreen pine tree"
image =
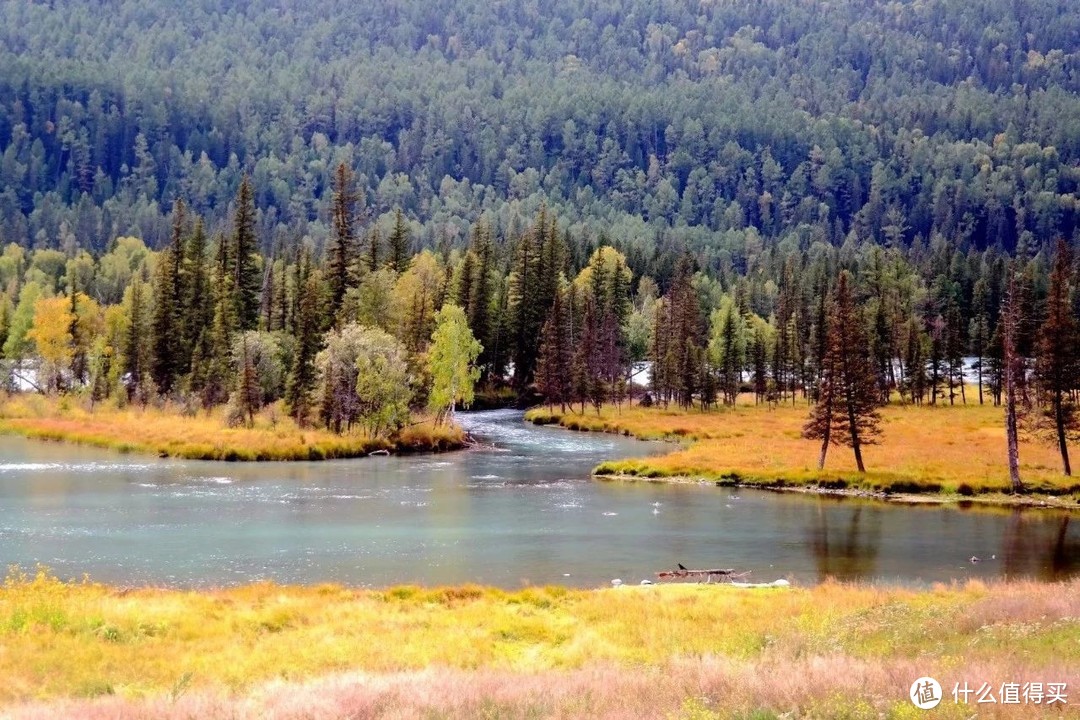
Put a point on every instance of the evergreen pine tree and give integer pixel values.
(79, 364)
(374, 247)
(846, 410)
(400, 244)
(343, 250)
(1057, 363)
(302, 378)
(553, 366)
(248, 395)
(136, 355)
(197, 305)
(246, 281)
(168, 355)
(480, 298)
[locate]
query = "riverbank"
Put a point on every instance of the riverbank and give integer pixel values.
(166, 432)
(694, 651)
(943, 454)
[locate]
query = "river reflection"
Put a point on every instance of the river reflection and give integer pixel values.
(526, 513)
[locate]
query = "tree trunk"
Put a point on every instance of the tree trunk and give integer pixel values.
(1012, 365)
(856, 446)
(980, 380)
(1010, 429)
(1063, 446)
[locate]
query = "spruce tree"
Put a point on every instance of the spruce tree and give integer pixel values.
(480, 299)
(216, 373)
(197, 304)
(400, 244)
(79, 364)
(136, 356)
(301, 382)
(342, 252)
(1057, 363)
(465, 276)
(374, 243)
(248, 396)
(553, 368)
(246, 281)
(526, 303)
(846, 411)
(586, 382)
(168, 337)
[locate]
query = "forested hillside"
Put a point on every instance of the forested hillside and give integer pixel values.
(717, 124)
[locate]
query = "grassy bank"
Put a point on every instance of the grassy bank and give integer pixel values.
(168, 433)
(956, 451)
(87, 650)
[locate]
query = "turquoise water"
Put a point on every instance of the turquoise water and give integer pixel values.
(525, 513)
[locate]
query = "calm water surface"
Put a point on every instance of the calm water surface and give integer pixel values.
(526, 513)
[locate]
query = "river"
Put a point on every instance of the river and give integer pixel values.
(526, 513)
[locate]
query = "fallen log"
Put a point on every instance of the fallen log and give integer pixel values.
(726, 573)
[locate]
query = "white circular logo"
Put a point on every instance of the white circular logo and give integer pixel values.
(925, 693)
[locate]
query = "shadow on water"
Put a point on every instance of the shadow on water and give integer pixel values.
(1037, 548)
(845, 547)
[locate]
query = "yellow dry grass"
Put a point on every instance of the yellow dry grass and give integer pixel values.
(946, 449)
(62, 640)
(168, 433)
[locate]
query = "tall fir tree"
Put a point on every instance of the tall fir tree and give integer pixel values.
(480, 299)
(527, 297)
(400, 244)
(553, 368)
(302, 377)
(374, 248)
(216, 373)
(79, 362)
(168, 360)
(343, 245)
(246, 280)
(1057, 358)
(197, 304)
(136, 365)
(846, 412)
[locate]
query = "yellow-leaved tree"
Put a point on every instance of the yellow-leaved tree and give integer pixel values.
(63, 330)
(452, 362)
(51, 335)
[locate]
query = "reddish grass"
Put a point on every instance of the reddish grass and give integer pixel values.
(712, 687)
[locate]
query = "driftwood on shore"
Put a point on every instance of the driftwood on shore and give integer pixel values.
(727, 574)
(472, 443)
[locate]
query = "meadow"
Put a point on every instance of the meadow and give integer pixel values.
(79, 649)
(953, 451)
(167, 432)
